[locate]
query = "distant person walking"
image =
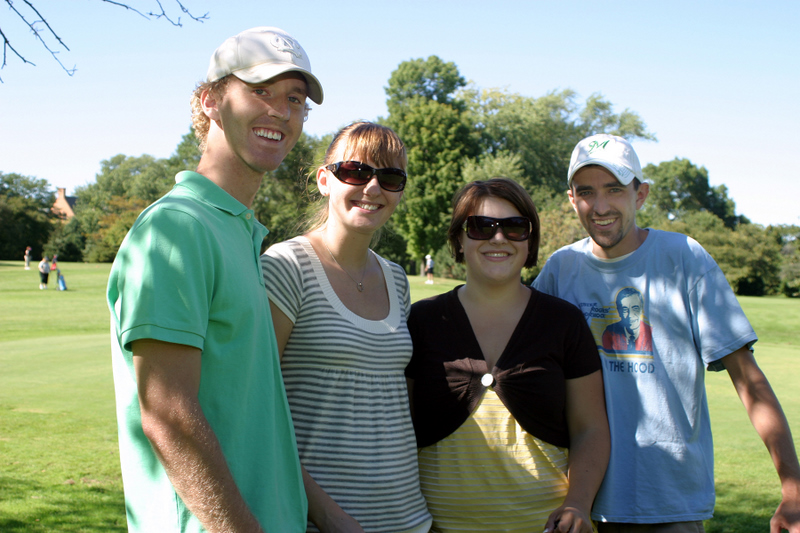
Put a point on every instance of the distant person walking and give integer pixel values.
(429, 269)
(44, 272)
(28, 258)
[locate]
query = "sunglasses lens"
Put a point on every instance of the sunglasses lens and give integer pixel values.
(515, 228)
(483, 228)
(354, 173)
(391, 179)
(480, 228)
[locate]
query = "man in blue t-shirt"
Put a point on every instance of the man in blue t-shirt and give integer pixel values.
(205, 432)
(661, 313)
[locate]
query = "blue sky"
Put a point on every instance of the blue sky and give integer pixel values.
(717, 82)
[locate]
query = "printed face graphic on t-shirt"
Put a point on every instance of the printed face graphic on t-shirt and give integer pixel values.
(630, 312)
(629, 334)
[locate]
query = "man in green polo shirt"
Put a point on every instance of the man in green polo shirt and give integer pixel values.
(205, 434)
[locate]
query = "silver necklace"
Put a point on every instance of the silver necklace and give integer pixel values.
(359, 284)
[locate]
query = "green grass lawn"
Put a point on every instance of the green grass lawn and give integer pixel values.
(59, 464)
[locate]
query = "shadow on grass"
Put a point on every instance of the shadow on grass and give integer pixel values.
(32, 507)
(741, 511)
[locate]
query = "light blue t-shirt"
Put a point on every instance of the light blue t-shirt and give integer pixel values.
(676, 315)
(188, 272)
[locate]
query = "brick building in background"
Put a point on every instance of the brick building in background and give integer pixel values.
(62, 208)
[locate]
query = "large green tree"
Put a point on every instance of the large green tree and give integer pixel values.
(24, 215)
(429, 79)
(597, 116)
(788, 238)
(543, 131)
(186, 155)
(679, 187)
(66, 240)
(492, 165)
(107, 208)
(125, 185)
(433, 123)
(681, 199)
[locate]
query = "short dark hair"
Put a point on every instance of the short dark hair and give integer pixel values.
(468, 199)
(624, 293)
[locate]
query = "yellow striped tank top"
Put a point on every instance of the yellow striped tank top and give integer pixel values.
(492, 475)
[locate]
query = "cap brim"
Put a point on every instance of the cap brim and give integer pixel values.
(265, 72)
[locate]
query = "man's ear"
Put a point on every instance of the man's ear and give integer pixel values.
(571, 199)
(641, 194)
(322, 181)
(210, 104)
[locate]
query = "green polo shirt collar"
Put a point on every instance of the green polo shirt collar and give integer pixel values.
(210, 192)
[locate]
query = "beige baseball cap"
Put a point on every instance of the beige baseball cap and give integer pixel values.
(613, 153)
(259, 54)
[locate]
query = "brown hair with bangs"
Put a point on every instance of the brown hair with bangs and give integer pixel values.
(468, 200)
(361, 141)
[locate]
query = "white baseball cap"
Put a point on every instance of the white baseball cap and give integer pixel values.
(613, 153)
(259, 54)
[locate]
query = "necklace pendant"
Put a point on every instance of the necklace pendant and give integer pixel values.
(359, 284)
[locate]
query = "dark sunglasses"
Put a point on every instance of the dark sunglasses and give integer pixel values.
(484, 228)
(357, 173)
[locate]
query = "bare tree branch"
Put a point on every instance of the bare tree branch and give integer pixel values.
(126, 6)
(43, 32)
(43, 21)
(163, 14)
(6, 47)
(38, 34)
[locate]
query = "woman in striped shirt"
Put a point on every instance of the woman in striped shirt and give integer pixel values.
(507, 395)
(340, 313)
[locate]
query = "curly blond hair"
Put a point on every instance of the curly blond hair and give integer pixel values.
(200, 121)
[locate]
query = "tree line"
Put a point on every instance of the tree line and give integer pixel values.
(455, 133)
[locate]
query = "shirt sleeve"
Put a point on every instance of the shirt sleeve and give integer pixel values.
(546, 282)
(165, 280)
(283, 278)
(719, 323)
(406, 293)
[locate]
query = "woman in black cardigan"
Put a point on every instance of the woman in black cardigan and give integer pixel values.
(505, 383)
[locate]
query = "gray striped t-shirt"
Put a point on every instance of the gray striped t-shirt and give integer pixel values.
(347, 391)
